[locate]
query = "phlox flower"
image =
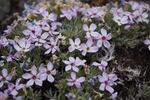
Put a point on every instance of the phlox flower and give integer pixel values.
(8, 58)
(22, 45)
(52, 45)
(41, 38)
(102, 66)
(74, 44)
(107, 81)
(103, 39)
(91, 12)
(48, 73)
(134, 5)
(91, 30)
(74, 81)
(88, 47)
(13, 88)
(33, 77)
(5, 77)
(32, 30)
(147, 42)
(69, 13)
(73, 64)
(120, 17)
(38, 10)
(140, 16)
(49, 16)
(43, 24)
(8, 30)
(4, 41)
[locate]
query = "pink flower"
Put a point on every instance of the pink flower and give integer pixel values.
(32, 30)
(22, 45)
(103, 39)
(33, 77)
(90, 12)
(49, 17)
(69, 13)
(48, 73)
(140, 16)
(51, 45)
(74, 44)
(107, 81)
(43, 24)
(4, 41)
(13, 88)
(39, 10)
(90, 31)
(5, 77)
(74, 81)
(101, 66)
(88, 48)
(73, 64)
(41, 39)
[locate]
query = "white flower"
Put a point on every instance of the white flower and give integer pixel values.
(8, 30)
(74, 44)
(107, 81)
(13, 88)
(43, 24)
(121, 17)
(73, 64)
(101, 66)
(51, 45)
(88, 47)
(49, 17)
(103, 39)
(75, 81)
(69, 13)
(32, 30)
(41, 39)
(4, 41)
(140, 16)
(22, 45)
(48, 73)
(90, 31)
(5, 77)
(33, 77)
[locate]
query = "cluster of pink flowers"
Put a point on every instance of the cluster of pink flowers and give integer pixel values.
(37, 76)
(138, 14)
(44, 34)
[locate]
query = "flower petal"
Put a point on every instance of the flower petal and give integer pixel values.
(30, 83)
(110, 89)
(4, 72)
(50, 78)
(102, 87)
(38, 82)
(27, 76)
